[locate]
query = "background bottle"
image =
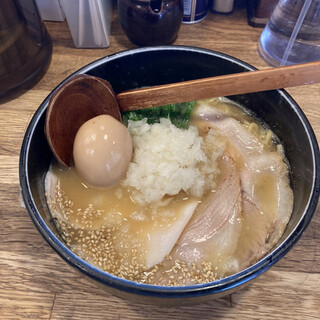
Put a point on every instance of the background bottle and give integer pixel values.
(292, 34)
(195, 10)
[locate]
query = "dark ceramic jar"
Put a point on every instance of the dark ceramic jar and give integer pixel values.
(25, 47)
(151, 22)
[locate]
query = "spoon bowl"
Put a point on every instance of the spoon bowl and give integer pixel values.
(77, 101)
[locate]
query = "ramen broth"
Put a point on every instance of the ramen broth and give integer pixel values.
(111, 230)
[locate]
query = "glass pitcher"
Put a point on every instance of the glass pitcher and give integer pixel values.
(292, 34)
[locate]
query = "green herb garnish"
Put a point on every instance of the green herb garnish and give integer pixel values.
(178, 113)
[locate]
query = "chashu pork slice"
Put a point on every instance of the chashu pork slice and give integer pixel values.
(267, 206)
(161, 239)
(266, 180)
(252, 240)
(213, 231)
(242, 144)
(267, 199)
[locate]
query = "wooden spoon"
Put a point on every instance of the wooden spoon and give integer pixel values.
(220, 86)
(84, 97)
(75, 102)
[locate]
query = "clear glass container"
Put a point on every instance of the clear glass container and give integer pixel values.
(292, 34)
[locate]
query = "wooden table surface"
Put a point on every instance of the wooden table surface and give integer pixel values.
(37, 284)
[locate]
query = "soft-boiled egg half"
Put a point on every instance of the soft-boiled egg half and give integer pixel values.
(102, 151)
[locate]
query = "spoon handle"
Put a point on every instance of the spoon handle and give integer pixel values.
(226, 85)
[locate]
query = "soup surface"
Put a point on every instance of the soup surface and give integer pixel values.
(196, 204)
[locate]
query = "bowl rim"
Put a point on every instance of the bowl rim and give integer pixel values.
(217, 286)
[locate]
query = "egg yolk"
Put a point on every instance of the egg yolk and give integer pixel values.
(102, 151)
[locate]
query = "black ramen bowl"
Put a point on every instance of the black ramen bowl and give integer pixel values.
(160, 65)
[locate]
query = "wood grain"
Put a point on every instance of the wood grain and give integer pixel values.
(225, 85)
(36, 284)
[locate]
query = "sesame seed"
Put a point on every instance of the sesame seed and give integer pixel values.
(117, 253)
